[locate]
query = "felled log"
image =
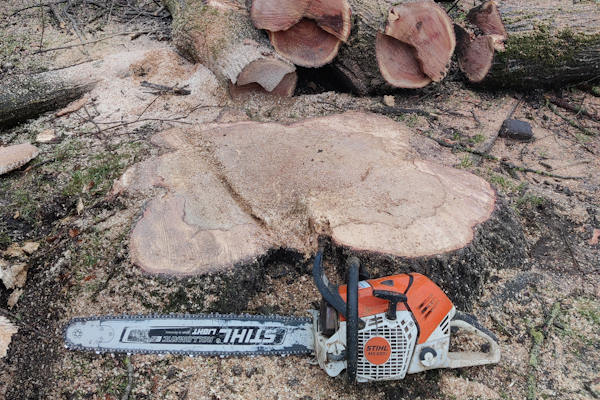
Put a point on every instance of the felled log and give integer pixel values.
(26, 96)
(549, 43)
(389, 45)
(407, 45)
(220, 35)
(235, 193)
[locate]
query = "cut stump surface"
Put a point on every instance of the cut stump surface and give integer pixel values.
(237, 190)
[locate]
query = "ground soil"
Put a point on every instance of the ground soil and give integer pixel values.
(63, 201)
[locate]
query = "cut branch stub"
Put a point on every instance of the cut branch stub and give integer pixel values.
(475, 55)
(306, 33)
(306, 44)
(277, 15)
(427, 28)
(487, 18)
(416, 45)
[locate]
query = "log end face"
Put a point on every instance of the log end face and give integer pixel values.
(306, 44)
(277, 15)
(475, 56)
(488, 19)
(398, 64)
(13, 157)
(268, 72)
(428, 28)
(332, 16)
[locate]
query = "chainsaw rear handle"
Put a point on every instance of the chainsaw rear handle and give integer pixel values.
(460, 359)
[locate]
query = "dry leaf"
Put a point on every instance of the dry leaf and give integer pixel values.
(6, 331)
(74, 232)
(14, 251)
(13, 276)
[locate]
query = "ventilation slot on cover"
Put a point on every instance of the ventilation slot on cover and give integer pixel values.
(444, 325)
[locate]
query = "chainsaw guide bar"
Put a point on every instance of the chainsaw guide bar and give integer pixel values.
(192, 334)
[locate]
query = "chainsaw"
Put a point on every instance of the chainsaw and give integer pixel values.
(374, 329)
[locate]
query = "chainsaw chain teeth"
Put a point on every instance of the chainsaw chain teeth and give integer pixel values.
(236, 317)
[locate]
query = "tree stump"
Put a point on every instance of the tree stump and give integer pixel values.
(220, 35)
(236, 192)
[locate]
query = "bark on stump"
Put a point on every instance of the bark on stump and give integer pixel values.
(237, 192)
(220, 35)
(549, 44)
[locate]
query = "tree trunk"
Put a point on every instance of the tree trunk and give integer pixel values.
(549, 44)
(220, 35)
(27, 96)
(387, 47)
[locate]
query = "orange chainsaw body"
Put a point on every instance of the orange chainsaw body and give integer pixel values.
(426, 301)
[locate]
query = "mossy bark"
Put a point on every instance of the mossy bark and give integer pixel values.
(26, 96)
(549, 45)
(220, 35)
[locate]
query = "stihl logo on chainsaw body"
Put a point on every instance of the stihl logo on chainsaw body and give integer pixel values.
(234, 335)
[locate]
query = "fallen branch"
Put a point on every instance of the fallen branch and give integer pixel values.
(94, 41)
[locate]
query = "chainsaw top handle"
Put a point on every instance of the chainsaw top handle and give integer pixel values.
(348, 310)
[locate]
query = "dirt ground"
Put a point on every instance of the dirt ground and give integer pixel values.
(546, 313)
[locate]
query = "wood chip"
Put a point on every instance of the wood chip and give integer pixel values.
(74, 106)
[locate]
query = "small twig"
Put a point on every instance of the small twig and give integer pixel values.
(129, 379)
(562, 103)
(43, 14)
(488, 146)
(162, 89)
(574, 124)
(148, 106)
(92, 41)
